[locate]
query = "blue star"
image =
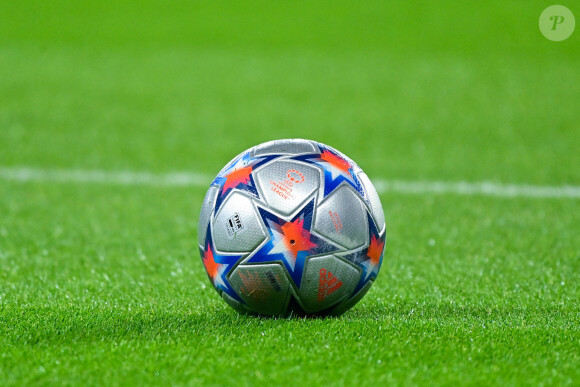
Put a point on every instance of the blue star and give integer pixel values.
(218, 266)
(291, 241)
(238, 175)
(370, 258)
(336, 169)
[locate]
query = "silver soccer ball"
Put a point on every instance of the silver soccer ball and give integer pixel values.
(292, 226)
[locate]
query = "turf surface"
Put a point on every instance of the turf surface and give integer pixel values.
(101, 284)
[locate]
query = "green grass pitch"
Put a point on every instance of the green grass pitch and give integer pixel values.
(102, 284)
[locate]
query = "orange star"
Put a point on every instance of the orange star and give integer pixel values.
(296, 237)
(210, 264)
(336, 161)
(375, 250)
(236, 177)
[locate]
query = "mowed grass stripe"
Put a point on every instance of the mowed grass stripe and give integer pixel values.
(175, 179)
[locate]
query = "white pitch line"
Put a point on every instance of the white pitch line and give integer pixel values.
(175, 179)
(104, 177)
(484, 188)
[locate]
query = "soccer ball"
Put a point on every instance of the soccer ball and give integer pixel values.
(292, 226)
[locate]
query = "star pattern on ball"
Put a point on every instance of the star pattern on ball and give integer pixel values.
(238, 175)
(336, 169)
(218, 266)
(370, 258)
(291, 241)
